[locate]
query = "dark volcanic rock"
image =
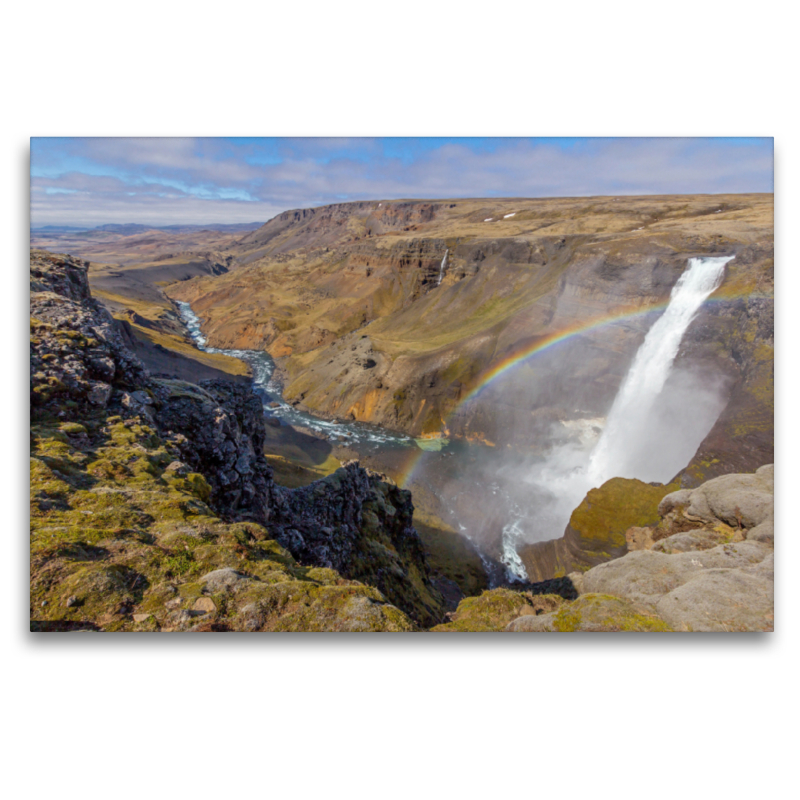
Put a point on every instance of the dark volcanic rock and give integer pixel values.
(76, 350)
(563, 587)
(357, 523)
(222, 428)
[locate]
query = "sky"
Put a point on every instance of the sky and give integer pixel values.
(167, 181)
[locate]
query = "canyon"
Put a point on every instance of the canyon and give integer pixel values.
(494, 331)
(349, 296)
(456, 349)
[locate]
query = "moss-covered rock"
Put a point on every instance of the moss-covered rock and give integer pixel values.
(495, 608)
(702, 573)
(121, 542)
(593, 613)
(597, 527)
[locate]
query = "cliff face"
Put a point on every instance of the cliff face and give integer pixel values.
(319, 227)
(153, 507)
(349, 301)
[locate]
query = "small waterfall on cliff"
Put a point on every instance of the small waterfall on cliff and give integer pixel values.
(628, 419)
(638, 440)
(442, 266)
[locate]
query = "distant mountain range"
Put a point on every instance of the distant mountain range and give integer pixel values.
(132, 228)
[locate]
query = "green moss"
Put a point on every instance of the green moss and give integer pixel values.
(495, 608)
(602, 612)
(72, 428)
(327, 577)
(602, 518)
(97, 591)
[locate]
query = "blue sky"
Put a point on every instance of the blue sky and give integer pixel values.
(164, 181)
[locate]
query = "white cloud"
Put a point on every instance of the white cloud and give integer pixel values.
(175, 178)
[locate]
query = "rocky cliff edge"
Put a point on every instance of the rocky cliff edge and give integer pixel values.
(153, 507)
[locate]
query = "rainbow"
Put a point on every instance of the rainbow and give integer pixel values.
(519, 355)
(529, 350)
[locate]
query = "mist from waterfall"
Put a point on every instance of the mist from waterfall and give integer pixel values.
(658, 419)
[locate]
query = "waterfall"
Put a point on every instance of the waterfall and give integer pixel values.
(638, 440)
(627, 422)
(441, 267)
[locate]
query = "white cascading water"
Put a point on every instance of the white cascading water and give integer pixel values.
(571, 470)
(442, 266)
(628, 419)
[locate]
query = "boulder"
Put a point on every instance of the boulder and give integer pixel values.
(645, 576)
(642, 576)
(720, 600)
(592, 613)
(204, 604)
(222, 580)
(764, 532)
(739, 500)
(689, 541)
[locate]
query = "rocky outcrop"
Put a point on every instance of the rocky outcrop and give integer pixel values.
(710, 567)
(218, 428)
(356, 522)
(496, 608)
(742, 502)
(597, 528)
(592, 613)
(77, 353)
(333, 224)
